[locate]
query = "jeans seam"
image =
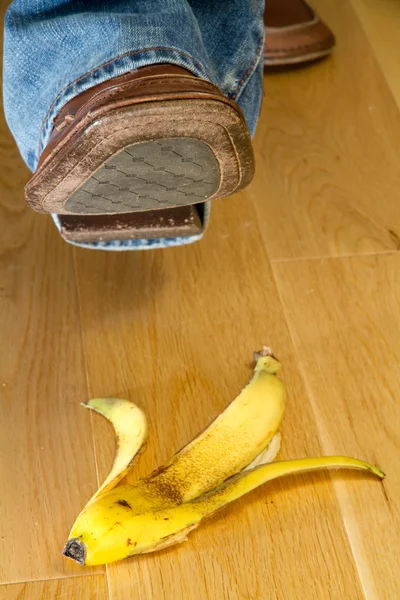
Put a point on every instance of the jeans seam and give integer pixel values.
(99, 67)
(249, 71)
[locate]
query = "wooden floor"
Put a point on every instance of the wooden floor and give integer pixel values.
(307, 261)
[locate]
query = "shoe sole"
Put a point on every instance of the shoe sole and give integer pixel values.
(147, 175)
(296, 60)
(146, 156)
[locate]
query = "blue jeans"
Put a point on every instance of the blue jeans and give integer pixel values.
(55, 49)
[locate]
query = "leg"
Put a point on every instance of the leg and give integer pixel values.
(60, 60)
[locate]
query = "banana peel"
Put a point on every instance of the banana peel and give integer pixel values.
(226, 461)
(131, 430)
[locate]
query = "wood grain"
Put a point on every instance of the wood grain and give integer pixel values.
(327, 152)
(344, 319)
(46, 454)
(174, 331)
(380, 21)
(67, 588)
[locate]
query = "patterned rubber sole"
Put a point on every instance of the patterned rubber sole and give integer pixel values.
(149, 175)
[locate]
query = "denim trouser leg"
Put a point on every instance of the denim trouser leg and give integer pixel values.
(55, 49)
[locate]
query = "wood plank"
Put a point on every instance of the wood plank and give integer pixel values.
(71, 588)
(327, 150)
(380, 21)
(174, 331)
(47, 468)
(344, 319)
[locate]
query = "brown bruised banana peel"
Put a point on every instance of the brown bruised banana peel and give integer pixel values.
(227, 460)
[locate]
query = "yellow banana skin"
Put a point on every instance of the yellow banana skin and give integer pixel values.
(113, 533)
(236, 437)
(162, 508)
(131, 429)
(232, 441)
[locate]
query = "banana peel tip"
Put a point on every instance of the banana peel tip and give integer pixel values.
(377, 471)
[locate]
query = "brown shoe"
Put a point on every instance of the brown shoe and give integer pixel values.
(294, 34)
(156, 138)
